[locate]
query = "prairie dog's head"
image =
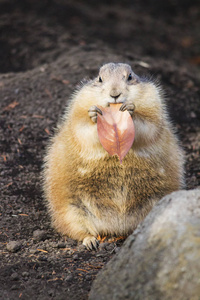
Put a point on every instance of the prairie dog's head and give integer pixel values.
(115, 83)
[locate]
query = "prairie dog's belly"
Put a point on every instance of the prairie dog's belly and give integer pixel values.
(109, 216)
(115, 216)
(115, 224)
(116, 197)
(115, 184)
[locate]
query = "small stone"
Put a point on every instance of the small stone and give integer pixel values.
(25, 278)
(14, 276)
(117, 249)
(81, 248)
(110, 247)
(61, 245)
(14, 287)
(193, 114)
(33, 251)
(25, 274)
(39, 235)
(13, 246)
(103, 246)
(190, 84)
(54, 245)
(69, 278)
(75, 257)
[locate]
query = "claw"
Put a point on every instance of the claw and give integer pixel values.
(129, 106)
(123, 107)
(91, 243)
(93, 111)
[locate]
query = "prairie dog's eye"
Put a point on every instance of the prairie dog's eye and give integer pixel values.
(130, 77)
(100, 79)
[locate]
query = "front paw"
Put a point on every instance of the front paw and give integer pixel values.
(93, 111)
(129, 106)
(91, 243)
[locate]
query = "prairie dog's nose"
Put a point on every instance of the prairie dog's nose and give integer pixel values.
(115, 94)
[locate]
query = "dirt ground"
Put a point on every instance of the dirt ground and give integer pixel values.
(46, 48)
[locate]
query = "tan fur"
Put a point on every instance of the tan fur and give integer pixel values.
(91, 193)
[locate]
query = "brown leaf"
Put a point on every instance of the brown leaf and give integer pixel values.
(115, 130)
(11, 106)
(41, 250)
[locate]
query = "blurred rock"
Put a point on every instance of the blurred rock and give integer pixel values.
(14, 276)
(61, 245)
(39, 235)
(13, 246)
(161, 259)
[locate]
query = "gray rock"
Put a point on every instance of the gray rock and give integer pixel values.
(61, 245)
(33, 251)
(39, 235)
(81, 248)
(69, 278)
(103, 246)
(14, 287)
(161, 259)
(13, 246)
(25, 274)
(75, 257)
(14, 276)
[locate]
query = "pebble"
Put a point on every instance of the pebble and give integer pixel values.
(69, 278)
(75, 257)
(54, 245)
(81, 248)
(33, 251)
(61, 245)
(193, 114)
(13, 246)
(69, 252)
(117, 249)
(14, 287)
(39, 235)
(25, 274)
(14, 276)
(103, 245)
(110, 247)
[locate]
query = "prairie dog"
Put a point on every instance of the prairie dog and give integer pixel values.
(88, 192)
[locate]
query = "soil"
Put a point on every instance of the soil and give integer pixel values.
(46, 48)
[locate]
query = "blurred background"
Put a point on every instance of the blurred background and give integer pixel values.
(37, 32)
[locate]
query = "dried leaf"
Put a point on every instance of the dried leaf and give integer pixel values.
(115, 130)
(23, 215)
(41, 250)
(11, 106)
